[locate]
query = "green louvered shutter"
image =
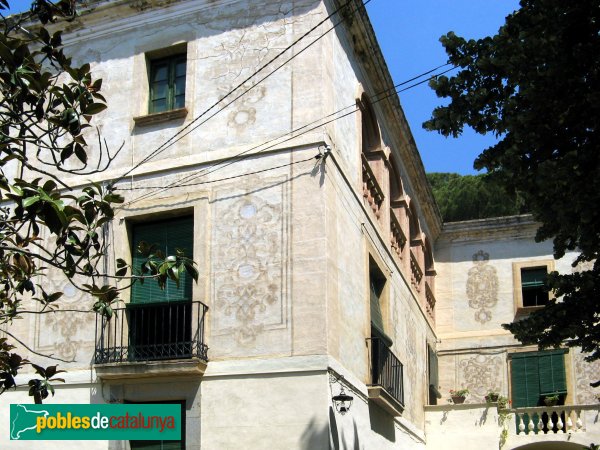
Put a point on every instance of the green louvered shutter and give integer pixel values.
(525, 380)
(376, 315)
(552, 372)
(434, 382)
(168, 235)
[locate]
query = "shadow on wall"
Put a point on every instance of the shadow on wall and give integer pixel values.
(334, 435)
(315, 436)
(382, 423)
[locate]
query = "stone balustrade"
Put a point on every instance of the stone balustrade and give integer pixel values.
(549, 419)
(430, 301)
(372, 192)
(509, 429)
(416, 273)
(397, 237)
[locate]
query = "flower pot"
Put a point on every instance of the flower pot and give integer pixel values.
(458, 400)
(550, 401)
(491, 398)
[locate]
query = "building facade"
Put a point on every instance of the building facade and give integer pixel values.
(322, 257)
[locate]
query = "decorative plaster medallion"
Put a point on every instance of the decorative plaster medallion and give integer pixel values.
(482, 287)
(481, 374)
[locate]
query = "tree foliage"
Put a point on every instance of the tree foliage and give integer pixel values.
(468, 197)
(47, 105)
(536, 86)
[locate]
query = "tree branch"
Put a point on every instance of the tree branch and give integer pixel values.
(37, 353)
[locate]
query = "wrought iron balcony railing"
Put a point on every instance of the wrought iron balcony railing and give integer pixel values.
(386, 370)
(149, 332)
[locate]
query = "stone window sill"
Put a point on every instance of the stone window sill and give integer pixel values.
(166, 116)
(524, 311)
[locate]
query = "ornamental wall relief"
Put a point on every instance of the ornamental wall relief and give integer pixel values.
(481, 374)
(246, 50)
(482, 287)
(63, 333)
(249, 254)
(586, 373)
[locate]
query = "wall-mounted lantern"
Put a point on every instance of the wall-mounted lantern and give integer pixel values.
(342, 401)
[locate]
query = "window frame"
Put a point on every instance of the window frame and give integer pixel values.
(171, 62)
(519, 307)
(537, 355)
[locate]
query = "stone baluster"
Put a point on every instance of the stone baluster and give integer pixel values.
(559, 423)
(578, 421)
(521, 416)
(569, 422)
(540, 424)
(531, 425)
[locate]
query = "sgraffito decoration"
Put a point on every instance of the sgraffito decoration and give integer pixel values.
(482, 287)
(586, 373)
(66, 334)
(481, 374)
(249, 253)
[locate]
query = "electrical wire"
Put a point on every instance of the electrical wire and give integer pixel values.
(231, 177)
(182, 133)
(277, 140)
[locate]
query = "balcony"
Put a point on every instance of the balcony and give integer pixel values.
(397, 237)
(386, 388)
(371, 190)
(447, 426)
(416, 273)
(151, 339)
(430, 302)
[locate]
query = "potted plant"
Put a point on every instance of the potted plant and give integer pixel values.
(503, 402)
(492, 397)
(551, 400)
(458, 396)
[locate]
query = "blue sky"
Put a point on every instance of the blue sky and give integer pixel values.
(408, 32)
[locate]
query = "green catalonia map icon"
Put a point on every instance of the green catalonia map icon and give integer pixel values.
(23, 420)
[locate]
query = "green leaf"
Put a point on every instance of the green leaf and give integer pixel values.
(30, 201)
(95, 108)
(80, 153)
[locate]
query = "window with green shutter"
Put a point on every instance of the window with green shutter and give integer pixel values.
(160, 320)
(533, 280)
(535, 375)
(376, 286)
(167, 83)
(167, 235)
(432, 366)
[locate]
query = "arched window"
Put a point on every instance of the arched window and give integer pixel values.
(415, 228)
(371, 138)
(396, 190)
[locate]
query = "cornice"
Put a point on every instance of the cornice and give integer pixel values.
(493, 228)
(99, 18)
